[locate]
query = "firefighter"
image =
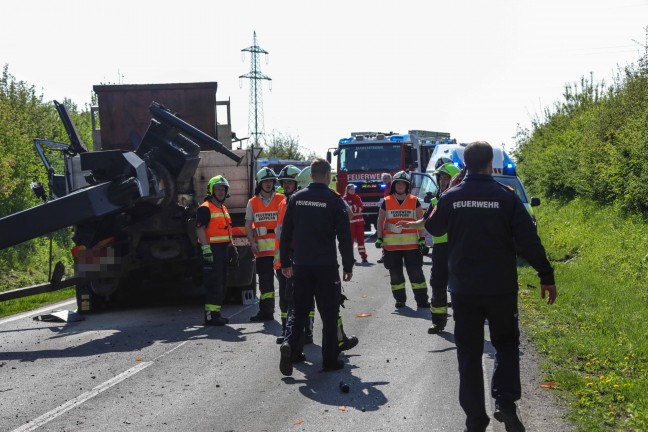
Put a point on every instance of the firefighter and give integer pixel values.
(213, 228)
(487, 226)
(287, 181)
(386, 183)
(439, 272)
(402, 245)
(357, 221)
(314, 217)
(261, 218)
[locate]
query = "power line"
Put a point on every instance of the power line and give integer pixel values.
(256, 128)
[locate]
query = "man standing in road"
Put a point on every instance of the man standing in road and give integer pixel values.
(314, 217)
(486, 222)
(288, 182)
(213, 228)
(261, 218)
(402, 245)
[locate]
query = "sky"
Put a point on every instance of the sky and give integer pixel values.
(476, 69)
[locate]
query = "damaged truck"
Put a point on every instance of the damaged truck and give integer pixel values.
(132, 200)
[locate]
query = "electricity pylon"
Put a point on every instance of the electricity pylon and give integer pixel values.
(255, 114)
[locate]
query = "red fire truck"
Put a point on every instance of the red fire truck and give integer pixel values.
(365, 156)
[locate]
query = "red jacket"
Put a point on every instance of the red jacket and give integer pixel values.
(355, 202)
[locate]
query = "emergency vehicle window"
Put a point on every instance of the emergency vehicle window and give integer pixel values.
(515, 183)
(423, 186)
(370, 158)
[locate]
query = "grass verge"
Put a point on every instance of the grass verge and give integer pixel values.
(24, 304)
(595, 337)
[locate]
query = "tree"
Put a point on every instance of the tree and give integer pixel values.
(285, 146)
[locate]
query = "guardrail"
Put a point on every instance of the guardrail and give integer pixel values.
(39, 289)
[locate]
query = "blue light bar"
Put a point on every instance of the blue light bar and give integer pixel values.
(398, 138)
(509, 166)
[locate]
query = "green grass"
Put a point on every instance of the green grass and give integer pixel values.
(595, 337)
(24, 304)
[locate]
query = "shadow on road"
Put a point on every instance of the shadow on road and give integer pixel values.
(325, 387)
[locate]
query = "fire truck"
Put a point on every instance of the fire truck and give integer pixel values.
(363, 157)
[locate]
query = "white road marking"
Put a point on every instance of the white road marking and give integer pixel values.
(67, 406)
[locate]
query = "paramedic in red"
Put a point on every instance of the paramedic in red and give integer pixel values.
(357, 221)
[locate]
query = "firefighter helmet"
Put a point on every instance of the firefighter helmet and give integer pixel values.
(265, 173)
(449, 169)
(441, 161)
(219, 180)
(402, 176)
(289, 172)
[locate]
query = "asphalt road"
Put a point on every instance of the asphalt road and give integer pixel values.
(158, 368)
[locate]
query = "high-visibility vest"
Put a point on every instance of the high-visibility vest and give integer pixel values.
(395, 238)
(438, 239)
(218, 228)
(264, 223)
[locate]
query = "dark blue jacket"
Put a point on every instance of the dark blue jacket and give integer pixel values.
(315, 216)
(487, 224)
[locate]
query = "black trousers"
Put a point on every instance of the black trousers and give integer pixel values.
(265, 270)
(215, 275)
(413, 260)
(439, 281)
(470, 313)
(323, 283)
(287, 304)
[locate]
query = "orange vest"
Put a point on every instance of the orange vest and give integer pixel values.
(264, 223)
(395, 238)
(218, 228)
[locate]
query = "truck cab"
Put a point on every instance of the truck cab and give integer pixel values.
(363, 157)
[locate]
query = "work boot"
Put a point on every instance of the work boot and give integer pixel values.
(436, 328)
(348, 343)
(285, 363)
(425, 304)
(380, 260)
(400, 304)
(280, 340)
(298, 358)
(438, 323)
(262, 317)
(507, 414)
(214, 319)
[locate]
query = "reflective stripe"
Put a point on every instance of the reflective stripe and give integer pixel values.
(311, 314)
(212, 308)
(266, 245)
(219, 239)
(391, 227)
(441, 239)
(268, 295)
(284, 315)
(419, 285)
(441, 310)
(401, 240)
(398, 287)
(339, 321)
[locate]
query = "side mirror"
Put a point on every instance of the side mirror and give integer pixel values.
(428, 197)
(328, 156)
(336, 152)
(535, 201)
